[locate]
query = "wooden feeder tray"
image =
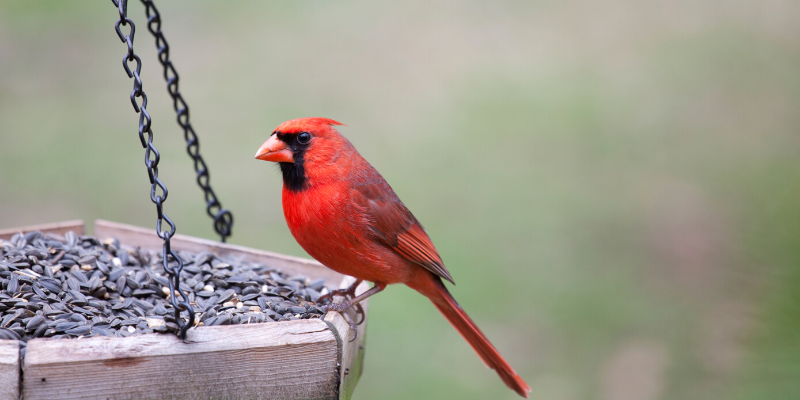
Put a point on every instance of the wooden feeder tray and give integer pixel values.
(300, 359)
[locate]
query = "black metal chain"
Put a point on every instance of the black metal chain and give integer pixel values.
(151, 158)
(223, 219)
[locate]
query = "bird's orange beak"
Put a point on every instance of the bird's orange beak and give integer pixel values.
(274, 150)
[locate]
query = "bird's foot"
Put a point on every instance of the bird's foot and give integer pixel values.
(342, 308)
(353, 302)
(348, 294)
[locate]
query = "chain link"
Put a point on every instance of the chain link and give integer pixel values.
(158, 191)
(223, 219)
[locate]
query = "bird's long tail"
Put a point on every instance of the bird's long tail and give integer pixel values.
(435, 290)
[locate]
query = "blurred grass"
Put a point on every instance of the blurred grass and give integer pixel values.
(614, 185)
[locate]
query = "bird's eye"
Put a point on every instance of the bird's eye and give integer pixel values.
(303, 137)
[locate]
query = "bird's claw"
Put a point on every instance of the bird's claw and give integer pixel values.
(341, 308)
(360, 311)
(352, 324)
(348, 294)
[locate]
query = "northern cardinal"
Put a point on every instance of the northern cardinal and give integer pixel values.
(344, 214)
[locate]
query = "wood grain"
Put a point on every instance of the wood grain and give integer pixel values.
(9, 369)
(58, 227)
(147, 238)
(286, 360)
(352, 353)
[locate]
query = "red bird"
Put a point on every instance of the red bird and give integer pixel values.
(344, 214)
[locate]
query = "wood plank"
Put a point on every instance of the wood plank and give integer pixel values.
(147, 238)
(58, 227)
(286, 360)
(9, 369)
(352, 353)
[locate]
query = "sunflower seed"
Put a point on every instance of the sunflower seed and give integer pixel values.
(77, 318)
(223, 319)
(79, 331)
(225, 296)
(63, 326)
(79, 276)
(34, 322)
(13, 284)
(78, 299)
(8, 334)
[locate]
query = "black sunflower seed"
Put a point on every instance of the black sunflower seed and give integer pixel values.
(79, 331)
(63, 326)
(13, 284)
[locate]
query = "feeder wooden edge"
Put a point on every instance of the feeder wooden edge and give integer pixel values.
(351, 352)
(293, 359)
(9, 369)
(57, 227)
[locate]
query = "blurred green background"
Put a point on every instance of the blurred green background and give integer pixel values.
(614, 185)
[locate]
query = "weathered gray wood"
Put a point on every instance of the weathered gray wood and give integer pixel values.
(57, 227)
(147, 238)
(286, 360)
(352, 353)
(9, 369)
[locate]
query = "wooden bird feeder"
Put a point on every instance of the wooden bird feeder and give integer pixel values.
(301, 359)
(295, 359)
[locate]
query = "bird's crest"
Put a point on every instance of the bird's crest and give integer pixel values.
(307, 124)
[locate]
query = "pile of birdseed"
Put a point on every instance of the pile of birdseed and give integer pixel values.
(77, 286)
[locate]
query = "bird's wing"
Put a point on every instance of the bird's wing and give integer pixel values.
(394, 225)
